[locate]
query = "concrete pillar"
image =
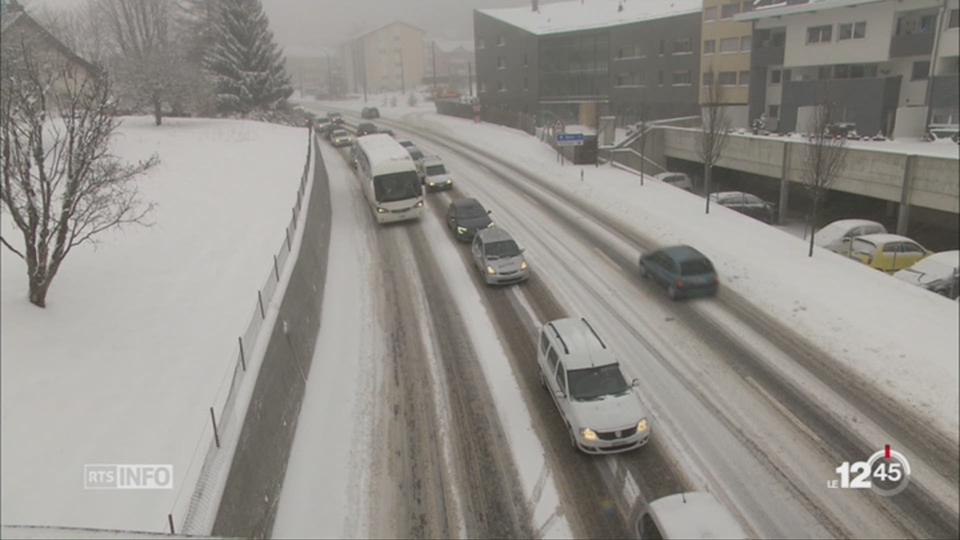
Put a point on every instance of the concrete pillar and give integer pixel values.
(903, 215)
(784, 184)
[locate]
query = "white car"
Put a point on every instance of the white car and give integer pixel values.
(675, 179)
(435, 174)
(837, 236)
(691, 516)
(937, 273)
(599, 407)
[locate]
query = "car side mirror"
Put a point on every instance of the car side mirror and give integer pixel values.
(489, 212)
(635, 383)
(560, 394)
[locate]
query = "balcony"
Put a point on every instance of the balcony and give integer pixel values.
(911, 44)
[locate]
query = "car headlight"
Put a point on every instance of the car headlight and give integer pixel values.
(449, 180)
(381, 210)
(419, 204)
(523, 265)
(642, 425)
(432, 184)
(588, 434)
(491, 270)
(490, 226)
(461, 230)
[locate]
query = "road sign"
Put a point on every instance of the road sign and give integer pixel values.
(569, 139)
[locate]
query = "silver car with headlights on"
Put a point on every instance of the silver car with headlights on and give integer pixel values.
(498, 257)
(600, 409)
(435, 175)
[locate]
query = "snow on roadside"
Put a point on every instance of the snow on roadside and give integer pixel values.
(140, 332)
(903, 339)
(528, 452)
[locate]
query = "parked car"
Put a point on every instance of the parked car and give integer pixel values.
(340, 138)
(692, 515)
(683, 270)
(602, 413)
(436, 176)
(837, 236)
(335, 118)
(320, 124)
(886, 252)
(679, 180)
(498, 257)
(845, 130)
(370, 112)
(938, 273)
(746, 204)
(366, 128)
(467, 216)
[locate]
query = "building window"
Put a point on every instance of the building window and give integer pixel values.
(526, 84)
(729, 10)
(819, 34)
(729, 45)
(525, 62)
(483, 86)
(623, 79)
(921, 70)
(501, 62)
(746, 6)
(707, 78)
(915, 24)
(773, 111)
(501, 87)
(481, 44)
(681, 78)
(500, 41)
(852, 31)
(775, 76)
(954, 18)
(660, 77)
(662, 47)
(727, 78)
(709, 46)
(841, 71)
(745, 43)
(786, 75)
(823, 73)
(682, 46)
(744, 78)
(710, 14)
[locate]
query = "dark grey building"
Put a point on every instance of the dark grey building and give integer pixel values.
(579, 60)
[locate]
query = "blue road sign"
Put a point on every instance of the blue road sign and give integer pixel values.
(569, 139)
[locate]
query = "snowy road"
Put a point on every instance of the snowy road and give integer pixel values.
(734, 412)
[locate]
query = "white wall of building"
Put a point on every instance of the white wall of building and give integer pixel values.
(950, 38)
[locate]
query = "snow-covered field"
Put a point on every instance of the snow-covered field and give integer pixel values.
(140, 332)
(903, 339)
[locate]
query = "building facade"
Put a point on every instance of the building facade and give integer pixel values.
(454, 65)
(575, 61)
(880, 63)
(725, 55)
(389, 58)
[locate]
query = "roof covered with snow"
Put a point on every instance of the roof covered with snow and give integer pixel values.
(782, 8)
(589, 14)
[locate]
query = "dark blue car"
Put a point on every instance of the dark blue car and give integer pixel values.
(683, 270)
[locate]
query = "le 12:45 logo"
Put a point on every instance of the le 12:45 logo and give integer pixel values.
(886, 472)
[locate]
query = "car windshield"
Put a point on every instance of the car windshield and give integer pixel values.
(470, 212)
(339, 133)
(397, 186)
(677, 178)
(695, 267)
(596, 383)
(434, 170)
(502, 248)
(863, 247)
(414, 153)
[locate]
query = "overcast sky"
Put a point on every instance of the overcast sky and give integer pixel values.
(303, 27)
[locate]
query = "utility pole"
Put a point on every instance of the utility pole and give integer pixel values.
(433, 48)
(403, 82)
(329, 76)
(470, 77)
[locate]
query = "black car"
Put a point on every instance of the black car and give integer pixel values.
(683, 270)
(465, 217)
(746, 204)
(335, 118)
(366, 128)
(370, 112)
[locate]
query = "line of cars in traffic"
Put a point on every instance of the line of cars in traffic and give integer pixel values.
(601, 411)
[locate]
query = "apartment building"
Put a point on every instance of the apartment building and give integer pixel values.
(888, 66)
(725, 54)
(389, 58)
(576, 61)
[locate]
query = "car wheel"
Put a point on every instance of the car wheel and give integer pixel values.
(543, 382)
(573, 438)
(672, 292)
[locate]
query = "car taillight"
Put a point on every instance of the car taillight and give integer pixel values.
(679, 283)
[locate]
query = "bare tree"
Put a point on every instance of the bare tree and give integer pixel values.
(58, 180)
(642, 126)
(823, 158)
(714, 126)
(77, 27)
(149, 64)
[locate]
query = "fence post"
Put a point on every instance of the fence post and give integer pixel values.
(243, 361)
(170, 521)
(288, 240)
(216, 434)
(276, 271)
(260, 303)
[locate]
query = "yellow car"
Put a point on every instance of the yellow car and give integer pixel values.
(886, 252)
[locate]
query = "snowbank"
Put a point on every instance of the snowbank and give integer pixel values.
(902, 338)
(140, 333)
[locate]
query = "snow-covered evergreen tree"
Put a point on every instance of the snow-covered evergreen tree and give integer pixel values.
(245, 61)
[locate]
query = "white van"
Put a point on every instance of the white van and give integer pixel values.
(391, 183)
(694, 515)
